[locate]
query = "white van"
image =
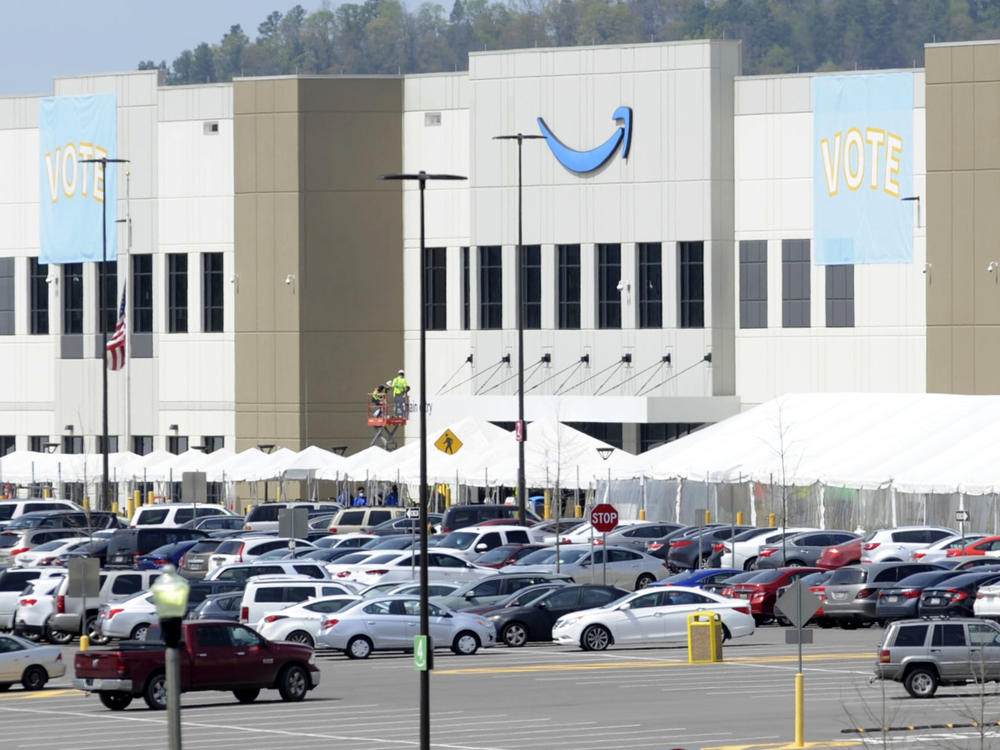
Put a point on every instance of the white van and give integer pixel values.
(174, 514)
(265, 594)
(473, 541)
(11, 509)
(264, 517)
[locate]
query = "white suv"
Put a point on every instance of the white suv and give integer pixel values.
(245, 549)
(174, 514)
(896, 545)
(473, 541)
(265, 594)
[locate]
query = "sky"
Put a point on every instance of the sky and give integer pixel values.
(43, 39)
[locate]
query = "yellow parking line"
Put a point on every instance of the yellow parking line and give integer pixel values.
(786, 745)
(585, 666)
(29, 694)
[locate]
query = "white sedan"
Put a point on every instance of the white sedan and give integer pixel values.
(651, 615)
(301, 623)
(390, 622)
(45, 554)
(22, 661)
(402, 565)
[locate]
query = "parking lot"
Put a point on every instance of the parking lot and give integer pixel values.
(531, 698)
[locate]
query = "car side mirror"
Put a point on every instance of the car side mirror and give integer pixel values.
(470, 594)
(481, 547)
(626, 605)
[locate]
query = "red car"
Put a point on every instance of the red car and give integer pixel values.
(838, 555)
(506, 554)
(762, 589)
(978, 547)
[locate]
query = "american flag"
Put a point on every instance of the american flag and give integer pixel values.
(116, 344)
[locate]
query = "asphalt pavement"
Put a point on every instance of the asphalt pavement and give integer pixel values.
(541, 697)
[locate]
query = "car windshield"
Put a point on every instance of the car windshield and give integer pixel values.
(847, 576)
(49, 546)
(739, 577)
(547, 556)
(24, 522)
(920, 580)
(458, 540)
(354, 557)
(816, 578)
(764, 576)
(379, 559)
(743, 536)
(495, 555)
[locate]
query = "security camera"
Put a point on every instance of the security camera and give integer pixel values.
(991, 266)
(289, 279)
(621, 285)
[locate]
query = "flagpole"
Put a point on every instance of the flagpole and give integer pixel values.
(128, 273)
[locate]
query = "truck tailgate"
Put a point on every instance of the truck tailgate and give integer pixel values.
(105, 664)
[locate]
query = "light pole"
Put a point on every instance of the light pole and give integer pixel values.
(104, 161)
(521, 432)
(604, 452)
(170, 595)
(425, 675)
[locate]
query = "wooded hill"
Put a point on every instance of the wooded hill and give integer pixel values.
(779, 36)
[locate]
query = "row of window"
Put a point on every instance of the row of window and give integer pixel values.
(796, 267)
(140, 295)
(141, 444)
(568, 267)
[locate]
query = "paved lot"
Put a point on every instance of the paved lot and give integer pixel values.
(536, 698)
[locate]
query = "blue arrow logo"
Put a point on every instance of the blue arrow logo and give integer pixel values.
(582, 162)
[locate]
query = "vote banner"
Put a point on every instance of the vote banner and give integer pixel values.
(71, 129)
(862, 168)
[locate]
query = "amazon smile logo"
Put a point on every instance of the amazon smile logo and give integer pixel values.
(582, 162)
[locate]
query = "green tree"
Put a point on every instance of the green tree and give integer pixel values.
(229, 60)
(319, 33)
(203, 64)
(181, 70)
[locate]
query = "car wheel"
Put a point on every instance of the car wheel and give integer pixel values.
(139, 631)
(795, 564)
(514, 634)
(115, 700)
(58, 637)
(246, 695)
(759, 620)
(155, 693)
(359, 647)
(465, 644)
(34, 678)
(301, 636)
(595, 638)
(750, 563)
(91, 630)
(293, 683)
(726, 635)
(921, 682)
(644, 580)
(4, 687)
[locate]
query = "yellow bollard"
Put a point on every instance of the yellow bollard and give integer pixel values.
(149, 498)
(46, 492)
(579, 511)
(86, 503)
(85, 642)
(739, 518)
(772, 519)
(800, 719)
(130, 508)
(279, 494)
(547, 505)
(708, 516)
(642, 514)
(114, 508)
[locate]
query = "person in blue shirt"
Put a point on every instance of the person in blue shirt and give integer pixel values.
(393, 497)
(360, 499)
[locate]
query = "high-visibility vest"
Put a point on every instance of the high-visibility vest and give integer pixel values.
(398, 385)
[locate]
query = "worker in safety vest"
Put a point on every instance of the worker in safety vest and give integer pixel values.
(378, 399)
(399, 390)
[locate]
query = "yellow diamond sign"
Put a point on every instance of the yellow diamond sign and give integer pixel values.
(448, 442)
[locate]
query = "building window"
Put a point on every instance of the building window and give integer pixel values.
(490, 287)
(692, 278)
(652, 435)
(531, 287)
(568, 261)
(211, 292)
(72, 444)
(753, 284)
(6, 444)
(177, 293)
(6, 296)
(436, 299)
(72, 294)
(840, 296)
(142, 444)
(112, 444)
(142, 293)
(795, 283)
(466, 284)
(177, 444)
(609, 276)
(212, 443)
(38, 288)
(107, 292)
(37, 443)
(609, 432)
(650, 285)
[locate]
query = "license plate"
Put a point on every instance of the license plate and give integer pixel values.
(838, 594)
(218, 560)
(934, 600)
(892, 599)
(742, 594)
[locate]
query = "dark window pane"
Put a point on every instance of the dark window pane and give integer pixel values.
(840, 296)
(692, 280)
(795, 285)
(652, 435)
(72, 295)
(609, 432)
(211, 292)
(177, 444)
(142, 444)
(753, 284)
(39, 297)
(142, 293)
(6, 444)
(532, 287)
(650, 285)
(568, 263)
(435, 276)
(177, 293)
(609, 276)
(6, 296)
(107, 293)
(466, 288)
(490, 287)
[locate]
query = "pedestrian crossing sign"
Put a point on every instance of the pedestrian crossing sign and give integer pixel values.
(448, 443)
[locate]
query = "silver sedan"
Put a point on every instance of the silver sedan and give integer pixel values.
(625, 567)
(25, 662)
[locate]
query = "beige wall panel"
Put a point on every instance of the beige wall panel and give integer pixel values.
(987, 62)
(286, 95)
(265, 154)
(986, 228)
(244, 148)
(286, 369)
(244, 98)
(939, 359)
(963, 258)
(246, 430)
(963, 126)
(351, 94)
(987, 125)
(349, 150)
(286, 152)
(285, 257)
(963, 68)
(288, 428)
(264, 367)
(938, 118)
(987, 358)
(937, 64)
(266, 427)
(963, 359)
(246, 369)
(939, 275)
(265, 264)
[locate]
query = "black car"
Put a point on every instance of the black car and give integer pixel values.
(955, 597)
(660, 547)
(716, 588)
(126, 545)
(902, 600)
(692, 551)
(216, 523)
(533, 622)
(65, 519)
(219, 607)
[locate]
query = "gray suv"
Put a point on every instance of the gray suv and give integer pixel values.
(924, 654)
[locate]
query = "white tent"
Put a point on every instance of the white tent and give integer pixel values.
(355, 466)
(310, 461)
(241, 467)
(29, 466)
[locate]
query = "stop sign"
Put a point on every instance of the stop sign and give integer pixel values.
(604, 517)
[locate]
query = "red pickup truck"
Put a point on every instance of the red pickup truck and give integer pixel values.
(213, 655)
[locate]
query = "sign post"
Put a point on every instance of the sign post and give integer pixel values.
(798, 604)
(961, 516)
(603, 518)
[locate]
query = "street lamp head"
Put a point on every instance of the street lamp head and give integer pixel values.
(170, 594)
(266, 447)
(605, 451)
